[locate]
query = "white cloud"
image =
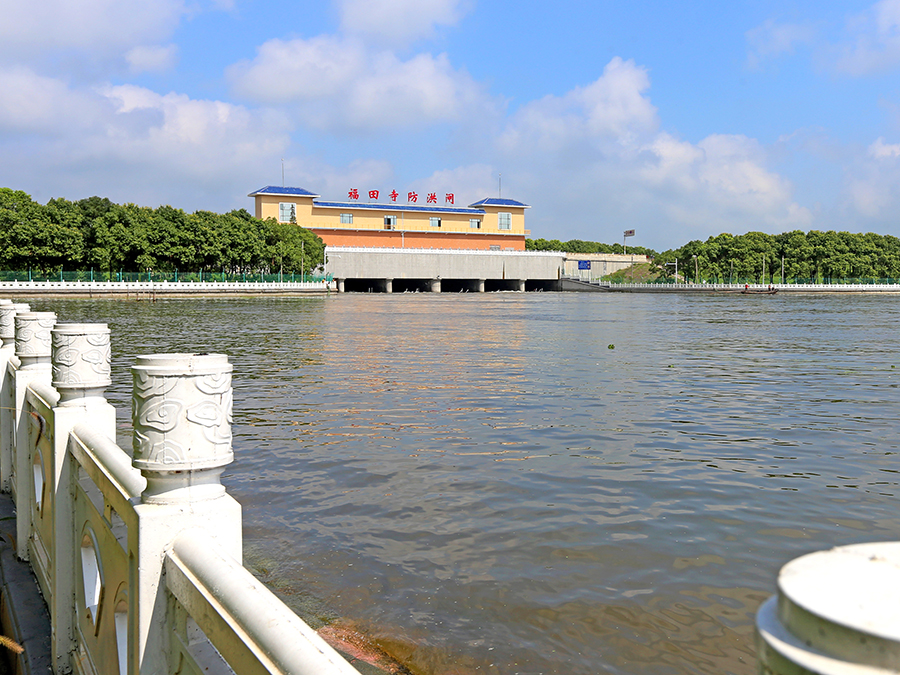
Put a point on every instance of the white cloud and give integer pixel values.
(338, 83)
(874, 42)
(881, 150)
(97, 27)
(871, 182)
(772, 39)
(600, 145)
(133, 144)
(398, 21)
(152, 58)
(612, 109)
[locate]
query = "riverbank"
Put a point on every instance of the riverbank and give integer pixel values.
(733, 289)
(151, 289)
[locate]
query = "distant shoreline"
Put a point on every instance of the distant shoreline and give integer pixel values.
(151, 290)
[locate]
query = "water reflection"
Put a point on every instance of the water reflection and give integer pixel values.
(482, 485)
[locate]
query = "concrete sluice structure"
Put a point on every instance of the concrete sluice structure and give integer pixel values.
(404, 270)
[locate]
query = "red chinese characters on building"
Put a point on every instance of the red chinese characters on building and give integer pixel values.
(412, 197)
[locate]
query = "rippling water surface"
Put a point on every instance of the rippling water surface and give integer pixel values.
(543, 483)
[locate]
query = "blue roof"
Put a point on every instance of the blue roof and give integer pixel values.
(278, 190)
(497, 201)
(400, 207)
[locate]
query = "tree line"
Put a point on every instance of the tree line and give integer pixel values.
(757, 257)
(791, 257)
(98, 234)
(581, 246)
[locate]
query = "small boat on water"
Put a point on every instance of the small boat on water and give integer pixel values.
(759, 291)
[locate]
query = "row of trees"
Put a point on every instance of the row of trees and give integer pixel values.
(806, 257)
(581, 246)
(96, 233)
(757, 257)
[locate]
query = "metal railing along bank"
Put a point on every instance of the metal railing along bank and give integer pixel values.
(161, 287)
(137, 555)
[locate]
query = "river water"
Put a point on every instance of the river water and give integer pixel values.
(543, 483)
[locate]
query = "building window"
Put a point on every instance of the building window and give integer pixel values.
(435, 222)
(504, 220)
(390, 222)
(474, 223)
(346, 219)
(287, 212)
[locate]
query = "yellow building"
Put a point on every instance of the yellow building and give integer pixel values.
(489, 224)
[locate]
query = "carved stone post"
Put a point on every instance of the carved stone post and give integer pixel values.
(81, 362)
(33, 351)
(7, 397)
(7, 321)
(33, 340)
(181, 413)
(81, 372)
(182, 425)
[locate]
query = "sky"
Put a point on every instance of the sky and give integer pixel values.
(678, 120)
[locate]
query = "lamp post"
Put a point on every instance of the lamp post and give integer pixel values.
(696, 270)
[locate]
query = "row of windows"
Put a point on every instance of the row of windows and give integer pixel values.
(287, 213)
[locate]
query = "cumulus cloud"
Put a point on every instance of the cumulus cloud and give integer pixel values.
(613, 108)
(339, 83)
(398, 21)
(600, 144)
(152, 58)
(97, 27)
(874, 42)
(41, 105)
(870, 182)
(134, 144)
(772, 39)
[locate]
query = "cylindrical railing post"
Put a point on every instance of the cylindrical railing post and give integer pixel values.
(80, 373)
(81, 362)
(7, 321)
(7, 397)
(182, 425)
(181, 414)
(33, 349)
(33, 339)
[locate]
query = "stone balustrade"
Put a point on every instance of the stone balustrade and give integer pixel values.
(138, 555)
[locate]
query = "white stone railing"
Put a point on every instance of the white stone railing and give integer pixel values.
(138, 555)
(164, 286)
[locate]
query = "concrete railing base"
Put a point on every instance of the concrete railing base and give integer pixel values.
(837, 612)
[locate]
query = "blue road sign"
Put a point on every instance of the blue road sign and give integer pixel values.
(584, 264)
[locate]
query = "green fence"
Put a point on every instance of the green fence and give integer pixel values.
(171, 277)
(741, 281)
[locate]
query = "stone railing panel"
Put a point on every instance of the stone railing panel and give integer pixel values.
(97, 522)
(251, 628)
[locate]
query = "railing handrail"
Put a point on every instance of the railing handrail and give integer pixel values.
(99, 455)
(243, 618)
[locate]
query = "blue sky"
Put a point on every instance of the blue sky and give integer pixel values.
(678, 120)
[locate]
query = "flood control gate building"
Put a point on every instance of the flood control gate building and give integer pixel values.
(491, 224)
(398, 270)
